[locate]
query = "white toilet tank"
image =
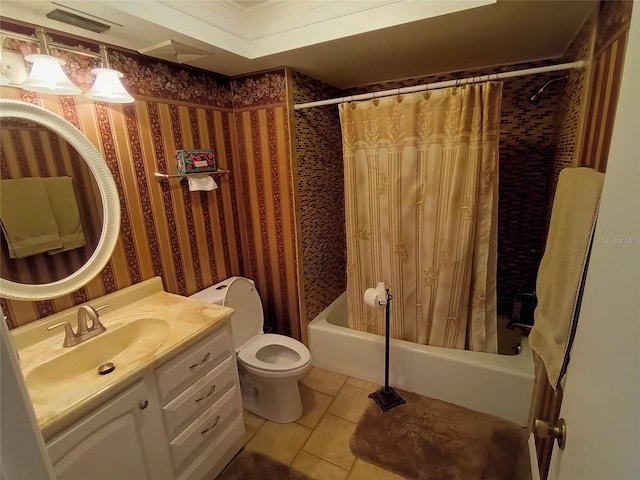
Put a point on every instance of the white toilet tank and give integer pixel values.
(240, 294)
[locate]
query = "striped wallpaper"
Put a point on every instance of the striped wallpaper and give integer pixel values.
(264, 154)
(604, 84)
(190, 239)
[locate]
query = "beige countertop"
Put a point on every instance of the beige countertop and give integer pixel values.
(61, 402)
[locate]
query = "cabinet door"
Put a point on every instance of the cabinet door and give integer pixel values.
(108, 444)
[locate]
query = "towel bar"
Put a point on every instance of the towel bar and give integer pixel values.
(160, 177)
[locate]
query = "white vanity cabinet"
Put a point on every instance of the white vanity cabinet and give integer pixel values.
(202, 407)
(180, 421)
(115, 441)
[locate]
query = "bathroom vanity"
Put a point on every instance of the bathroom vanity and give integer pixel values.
(171, 408)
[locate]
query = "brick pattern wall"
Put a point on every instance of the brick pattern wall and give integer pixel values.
(318, 150)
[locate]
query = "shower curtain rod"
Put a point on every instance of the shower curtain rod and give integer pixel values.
(445, 84)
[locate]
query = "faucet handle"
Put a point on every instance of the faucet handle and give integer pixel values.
(96, 323)
(69, 335)
(91, 312)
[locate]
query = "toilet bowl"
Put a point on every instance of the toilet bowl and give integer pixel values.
(269, 365)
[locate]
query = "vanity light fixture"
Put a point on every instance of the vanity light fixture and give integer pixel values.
(46, 75)
(108, 87)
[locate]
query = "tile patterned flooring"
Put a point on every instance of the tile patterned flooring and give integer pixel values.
(318, 442)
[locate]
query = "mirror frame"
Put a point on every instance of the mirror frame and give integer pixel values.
(110, 205)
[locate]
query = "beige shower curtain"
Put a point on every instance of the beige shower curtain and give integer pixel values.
(421, 188)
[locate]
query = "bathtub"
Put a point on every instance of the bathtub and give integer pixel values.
(497, 384)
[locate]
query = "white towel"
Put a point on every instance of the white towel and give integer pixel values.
(563, 264)
(202, 183)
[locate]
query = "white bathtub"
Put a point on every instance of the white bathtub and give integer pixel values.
(497, 384)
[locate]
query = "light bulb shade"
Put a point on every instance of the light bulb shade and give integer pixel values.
(46, 76)
(108, 87)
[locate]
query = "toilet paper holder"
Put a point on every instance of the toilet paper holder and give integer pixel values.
(376, 297)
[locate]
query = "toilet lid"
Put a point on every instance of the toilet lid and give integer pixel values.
(240, 294)
(274, 353)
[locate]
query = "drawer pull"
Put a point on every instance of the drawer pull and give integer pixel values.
(212, 426)
(206, 357)
(207, 395)
(143, 404)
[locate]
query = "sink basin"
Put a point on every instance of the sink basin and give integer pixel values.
(121, 346)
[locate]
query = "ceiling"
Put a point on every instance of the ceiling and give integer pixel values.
(344, 43)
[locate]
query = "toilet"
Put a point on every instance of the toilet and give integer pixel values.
(269, 365)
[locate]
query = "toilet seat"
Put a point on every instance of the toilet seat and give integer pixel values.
(250, 352)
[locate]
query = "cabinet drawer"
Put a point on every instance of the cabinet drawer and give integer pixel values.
(199, 396)
(216, 455)
(179, 372)
(206, 428)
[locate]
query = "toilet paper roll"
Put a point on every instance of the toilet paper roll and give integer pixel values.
(371, 297)
(202, 183)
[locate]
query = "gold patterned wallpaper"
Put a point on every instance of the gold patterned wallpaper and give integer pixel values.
(191, 239)
(263, 145)
(604, 83)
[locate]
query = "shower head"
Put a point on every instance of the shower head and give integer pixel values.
(534, 99)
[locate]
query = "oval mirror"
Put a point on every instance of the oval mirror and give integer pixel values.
(55, 183)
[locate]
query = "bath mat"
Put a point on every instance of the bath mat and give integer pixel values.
(428, 439)
(250, 465)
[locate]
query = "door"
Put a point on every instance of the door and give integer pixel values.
(601, 403)
(108, 444)
(22, 452)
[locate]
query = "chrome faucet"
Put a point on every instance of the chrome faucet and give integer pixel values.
(83, 332)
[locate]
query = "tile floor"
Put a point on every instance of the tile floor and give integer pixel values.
(318, 442)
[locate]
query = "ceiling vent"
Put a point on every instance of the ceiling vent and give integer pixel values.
(173, 51)
(78, 21)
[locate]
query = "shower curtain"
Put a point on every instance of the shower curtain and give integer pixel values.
(421, 192)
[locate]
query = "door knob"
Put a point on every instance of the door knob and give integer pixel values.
(542, 428)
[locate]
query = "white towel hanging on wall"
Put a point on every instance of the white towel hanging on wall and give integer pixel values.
(202, 183)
